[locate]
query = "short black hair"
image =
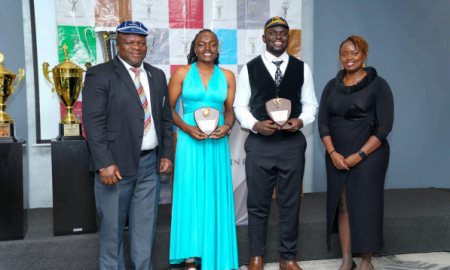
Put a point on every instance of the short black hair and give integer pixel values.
(192, 57)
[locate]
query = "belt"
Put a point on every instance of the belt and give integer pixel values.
(145, 152)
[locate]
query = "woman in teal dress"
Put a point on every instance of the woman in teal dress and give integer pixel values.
(203, 223)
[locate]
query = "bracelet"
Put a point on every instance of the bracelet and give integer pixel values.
(230, 128)
(332, 152)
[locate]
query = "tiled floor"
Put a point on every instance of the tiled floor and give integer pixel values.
(429, 261)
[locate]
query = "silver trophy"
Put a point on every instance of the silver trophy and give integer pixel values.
(107, 41)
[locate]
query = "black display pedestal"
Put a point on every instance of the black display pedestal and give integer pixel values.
(13, 215)
(73, 189)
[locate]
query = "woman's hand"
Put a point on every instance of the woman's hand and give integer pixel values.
(339, 161)
(353, 160)
(195, 133)
(220, 132)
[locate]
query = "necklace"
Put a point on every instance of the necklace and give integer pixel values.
(205, 73)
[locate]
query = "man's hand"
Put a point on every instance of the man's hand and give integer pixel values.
(266, 128)
(109, 175)
(295, 125)
(165, 166)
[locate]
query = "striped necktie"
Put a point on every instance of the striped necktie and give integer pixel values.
(278, 73)
(144, 100)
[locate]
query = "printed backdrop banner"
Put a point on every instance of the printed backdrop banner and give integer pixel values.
(174, 24)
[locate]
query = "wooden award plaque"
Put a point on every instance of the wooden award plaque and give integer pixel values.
(279, 110)
(207, 119)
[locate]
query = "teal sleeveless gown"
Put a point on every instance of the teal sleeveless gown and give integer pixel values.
(203, 222)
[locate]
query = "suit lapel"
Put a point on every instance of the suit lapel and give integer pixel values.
(125, 75)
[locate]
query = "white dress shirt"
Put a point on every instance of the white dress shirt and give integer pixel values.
(150, 141)
(243, 92)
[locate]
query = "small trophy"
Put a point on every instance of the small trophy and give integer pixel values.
(7, 132)
(108, 43)
(207, 119)
(279, 110)
(67, 78)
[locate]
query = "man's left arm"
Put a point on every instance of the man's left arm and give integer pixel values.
(166, 131)
(308, 99)
(309, 104)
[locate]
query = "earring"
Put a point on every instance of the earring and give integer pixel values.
(342, 67)
(364, 65)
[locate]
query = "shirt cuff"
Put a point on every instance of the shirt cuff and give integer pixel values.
(252, 125)
(307, 119)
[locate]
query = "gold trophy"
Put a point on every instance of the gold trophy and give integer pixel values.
(6, 90)
(67, 78)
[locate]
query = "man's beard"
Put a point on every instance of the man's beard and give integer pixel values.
(274, 51)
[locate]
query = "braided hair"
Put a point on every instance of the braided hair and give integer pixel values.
(358, 42)
(192, 57)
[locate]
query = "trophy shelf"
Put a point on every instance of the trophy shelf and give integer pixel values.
(73, 188)
(13, 191)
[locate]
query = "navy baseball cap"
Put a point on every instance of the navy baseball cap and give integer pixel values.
(132, 27)
(276, 21)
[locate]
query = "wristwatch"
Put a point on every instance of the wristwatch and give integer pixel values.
(362, 154)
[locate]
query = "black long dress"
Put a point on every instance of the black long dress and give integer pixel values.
(350, 115)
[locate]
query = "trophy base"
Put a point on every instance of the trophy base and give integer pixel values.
(7, 133)
(70, 132)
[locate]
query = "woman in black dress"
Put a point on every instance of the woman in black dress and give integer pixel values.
(356, 115)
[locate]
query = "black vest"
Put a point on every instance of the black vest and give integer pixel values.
(263, 87)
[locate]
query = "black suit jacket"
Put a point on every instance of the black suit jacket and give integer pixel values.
(113, 116)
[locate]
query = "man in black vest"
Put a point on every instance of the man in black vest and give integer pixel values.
(275, 155)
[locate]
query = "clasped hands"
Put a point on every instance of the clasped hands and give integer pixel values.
(196, 133)
(269, 127)
(111, 174)
(342, 163)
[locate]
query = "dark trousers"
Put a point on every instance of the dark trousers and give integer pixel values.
(274, 161)
(137, 196)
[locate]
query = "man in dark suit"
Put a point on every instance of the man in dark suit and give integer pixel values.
(128, 125)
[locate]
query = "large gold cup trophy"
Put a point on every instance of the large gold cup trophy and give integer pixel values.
(7, 132)
(68, 82)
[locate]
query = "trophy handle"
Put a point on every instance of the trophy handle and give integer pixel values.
(87, 43)
(87, 65)
(20, 76)
(45, 66)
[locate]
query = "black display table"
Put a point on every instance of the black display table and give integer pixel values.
(73, 189)
(13, 215)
